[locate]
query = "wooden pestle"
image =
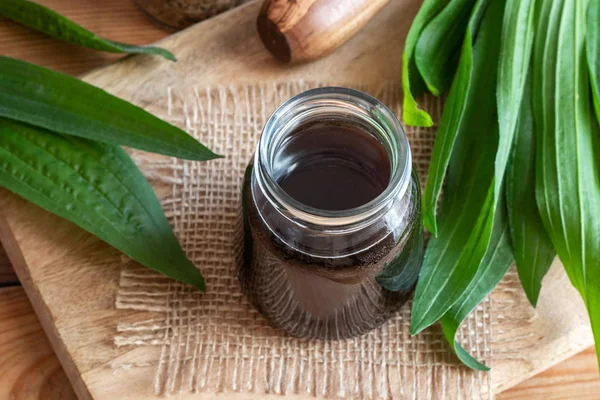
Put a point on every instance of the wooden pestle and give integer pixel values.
(303, 30)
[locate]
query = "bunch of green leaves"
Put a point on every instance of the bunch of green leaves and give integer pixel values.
(517, 151)
(60, 148)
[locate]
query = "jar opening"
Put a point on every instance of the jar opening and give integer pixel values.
(331, 165)
(333, 157)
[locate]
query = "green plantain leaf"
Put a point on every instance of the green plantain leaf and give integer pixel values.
(402, 272)
(438, 43)
(532, 247)
(449, 128)
(593, 51)
(411, 114)
(467, 209)
(451, 123)
(51, 23)
(496, 262)
(567, 156)
(96, 186)
(515, 55)
(60, 103)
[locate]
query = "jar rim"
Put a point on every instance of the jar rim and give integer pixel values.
(338, 101)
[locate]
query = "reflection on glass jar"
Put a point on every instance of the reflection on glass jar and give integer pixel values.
(333, 238)
(180, 14)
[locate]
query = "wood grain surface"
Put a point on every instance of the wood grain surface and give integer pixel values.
(28, 367)
(121, 20)
(574, 378)
(7, 274)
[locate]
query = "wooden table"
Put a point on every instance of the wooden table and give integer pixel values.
(28, 367)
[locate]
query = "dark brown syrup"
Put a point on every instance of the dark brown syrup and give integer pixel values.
(331, 166)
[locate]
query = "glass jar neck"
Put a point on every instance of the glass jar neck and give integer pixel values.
(349, 107)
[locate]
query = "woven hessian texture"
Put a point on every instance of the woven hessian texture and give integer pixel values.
(217, 341)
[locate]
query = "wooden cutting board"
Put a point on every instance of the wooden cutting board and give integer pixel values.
(71, 277)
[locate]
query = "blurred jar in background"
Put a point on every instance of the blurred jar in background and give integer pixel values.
(179, 14)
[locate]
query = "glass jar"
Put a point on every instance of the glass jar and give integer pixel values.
(331, 272)
(180, 14)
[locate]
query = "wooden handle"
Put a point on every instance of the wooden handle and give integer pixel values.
(304, 30)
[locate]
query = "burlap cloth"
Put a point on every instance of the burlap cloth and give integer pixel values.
(217, 341)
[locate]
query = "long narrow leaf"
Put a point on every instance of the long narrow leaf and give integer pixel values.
(51, 23)
(532, 247)
(467, 210)
(451, 123)
(402, 272)
(567, 157)
(498, 259)
(411, 114)
(534, 252)
(439, 42)
(97, 187)
(515, 55)
(63, 104)
(446, 136)
(593, 51)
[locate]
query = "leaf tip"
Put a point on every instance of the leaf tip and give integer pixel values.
(210, 157)
(417, 327)
(202, 154)
(163, 53)
(169, 56)
(198, 282)
(467, 359)
(434, 90)
(412, 115)
(417, 117)
(533, 298)
(481, 367)
(201, 287)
